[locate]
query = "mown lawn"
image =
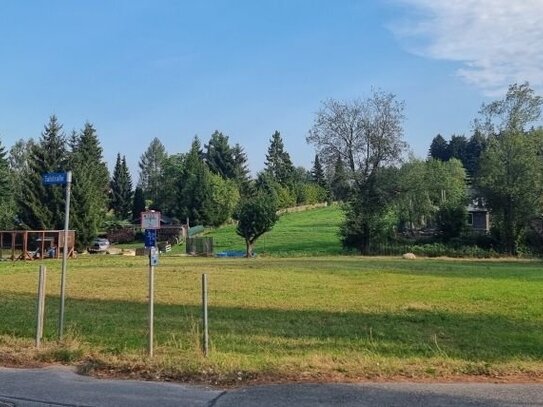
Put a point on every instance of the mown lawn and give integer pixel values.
(317, 318)
(310, 233)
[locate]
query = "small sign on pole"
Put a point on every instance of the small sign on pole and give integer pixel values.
(150, 237)
(150, 220)
(55, 178)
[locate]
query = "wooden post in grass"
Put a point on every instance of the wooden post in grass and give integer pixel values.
(205, 333)
(41, 305)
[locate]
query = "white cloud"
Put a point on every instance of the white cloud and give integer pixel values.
(498, 42)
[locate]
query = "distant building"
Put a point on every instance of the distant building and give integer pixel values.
(478, 216)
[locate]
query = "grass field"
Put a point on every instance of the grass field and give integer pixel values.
(310, 233)
(315, 318)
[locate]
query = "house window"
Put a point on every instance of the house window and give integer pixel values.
(470, 219)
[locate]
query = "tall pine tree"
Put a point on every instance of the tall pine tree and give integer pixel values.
(120, 187)
(219, 156)
(278, 163)
(339, 182)
(317, 173)
(151, 172)
(42, 207)
(90, 185)
(6, 192)
(139, 203)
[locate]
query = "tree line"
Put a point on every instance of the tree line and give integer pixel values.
(361, 160)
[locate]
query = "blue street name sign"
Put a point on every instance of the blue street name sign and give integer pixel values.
(150, 237)
(55, 178)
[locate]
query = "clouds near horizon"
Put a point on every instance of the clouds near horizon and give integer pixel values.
(496, 42)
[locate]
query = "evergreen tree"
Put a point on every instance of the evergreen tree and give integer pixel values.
(171, 180)
(339, 182)
(6, 192)
(120, 198)
(139, 203)
(317, 173)
(194, 188)
(439, 149)
(476, 146)
(90, 185)
(42, 207)
(458, 147)
(278, 163)
(241, 170)
(151, 172)
(219, 156)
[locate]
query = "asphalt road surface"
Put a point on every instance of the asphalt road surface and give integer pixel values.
(62, 387)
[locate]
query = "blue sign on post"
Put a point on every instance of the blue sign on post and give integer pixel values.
(55, 178)
(150, 237)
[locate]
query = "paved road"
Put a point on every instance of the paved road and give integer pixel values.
(61, 387)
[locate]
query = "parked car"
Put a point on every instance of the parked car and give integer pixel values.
(99, 245)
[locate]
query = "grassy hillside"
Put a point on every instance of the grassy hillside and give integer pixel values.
(310, 233)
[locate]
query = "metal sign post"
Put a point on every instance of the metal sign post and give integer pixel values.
(64, 255)
(150, 222)
(62, 178)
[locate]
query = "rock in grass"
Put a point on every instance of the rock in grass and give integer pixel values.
(409, 256)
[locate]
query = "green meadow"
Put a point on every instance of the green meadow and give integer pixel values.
(280, 318)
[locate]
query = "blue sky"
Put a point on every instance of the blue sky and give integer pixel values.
(141, 69)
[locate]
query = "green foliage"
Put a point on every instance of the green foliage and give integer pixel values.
(308, 194)
(151, 172)
(317, 173)
(426, 188)
(219, 156)
(439, 149)
(172, 174)
(139, 203)
(7, 196)
(121, 195)
(223, 199)
(89, 187)
(512, 114)
(511, 181)
(256, 216)
(451, 221)
(278, 164)
(194, 187)
(369, 216)
(339, 183)
(39, 206)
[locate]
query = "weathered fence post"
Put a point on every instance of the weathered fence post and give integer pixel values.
(205, 334)
(41, 305)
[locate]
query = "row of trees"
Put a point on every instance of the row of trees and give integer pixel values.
(500, 165)
(360, 161)
(204, 185)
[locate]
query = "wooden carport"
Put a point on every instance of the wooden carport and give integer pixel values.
(34, 244)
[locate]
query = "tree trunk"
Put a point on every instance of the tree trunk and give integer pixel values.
(249, 252)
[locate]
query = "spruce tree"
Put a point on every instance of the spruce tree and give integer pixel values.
(317, 173)
(439, 149)
(241, 170)
(194, 186)
(278, 163)
(90, 185)
(42, 207)
(139, 203)
(339, 182)
(151, 172)
(6, 192)
(120, 198)
(219, 156)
